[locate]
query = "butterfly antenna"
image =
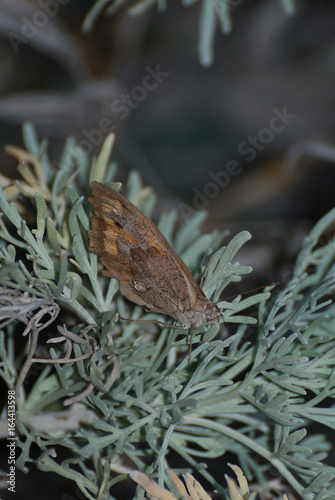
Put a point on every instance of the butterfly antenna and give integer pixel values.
(252, 290)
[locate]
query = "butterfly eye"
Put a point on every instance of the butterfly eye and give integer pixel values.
(209, 310)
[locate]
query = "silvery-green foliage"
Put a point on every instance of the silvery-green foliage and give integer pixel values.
(124, 391)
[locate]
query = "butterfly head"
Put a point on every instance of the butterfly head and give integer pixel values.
(204, 313)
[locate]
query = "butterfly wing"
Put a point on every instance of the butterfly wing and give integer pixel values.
(136, 253)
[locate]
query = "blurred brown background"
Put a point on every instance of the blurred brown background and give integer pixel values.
(197, 119)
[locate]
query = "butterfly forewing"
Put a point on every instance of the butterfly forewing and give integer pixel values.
(136, 253)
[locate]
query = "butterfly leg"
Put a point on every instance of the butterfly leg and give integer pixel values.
(190, 346)
(205, 271)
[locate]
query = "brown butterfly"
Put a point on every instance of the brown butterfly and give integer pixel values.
(149, 271)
